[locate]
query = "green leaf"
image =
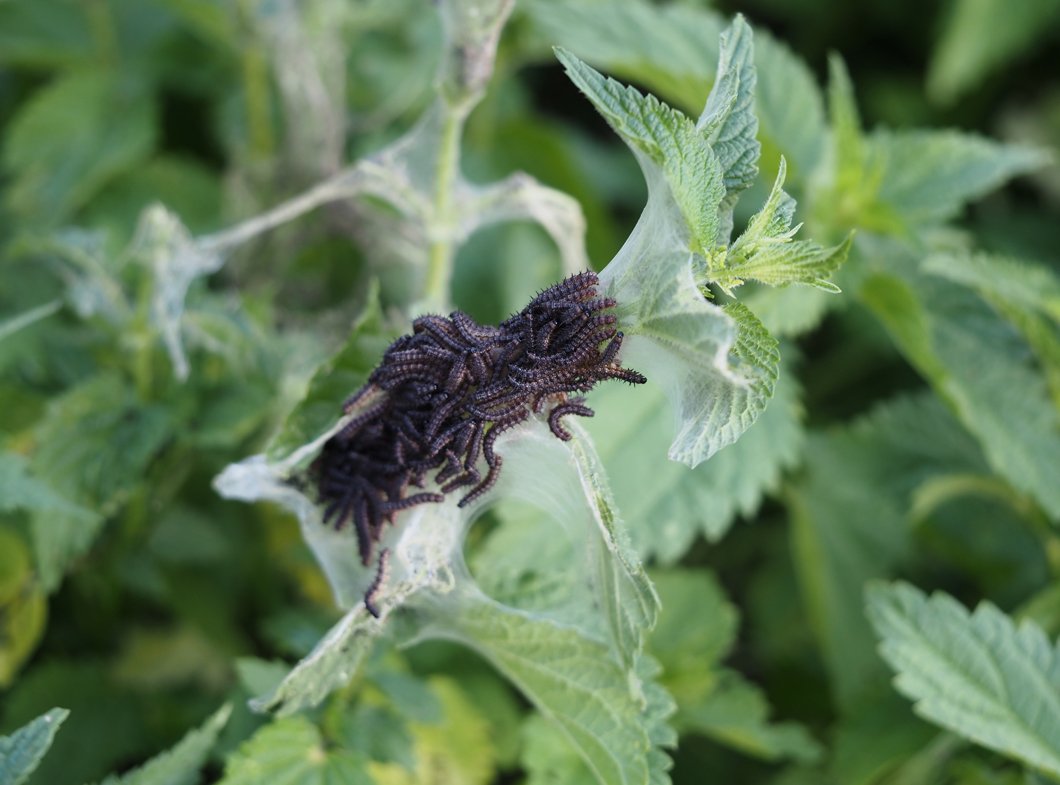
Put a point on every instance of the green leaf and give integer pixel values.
(293, 750)
(790, 105)
(631, 429)
(670, 49)
(981, 36)
(737, 715)
(729, 120)
(850, 520)
(767, 252)
(23, 607)
(331, 664)
(456, 748)
(1026, 294)
(549, 758)
(696, 631)
(64, 145)
(181, 764)
(976, 361)
(978, 675)
(336, 379)
(1021, 284)
(117, 437)
(718, 365)
(667, 139)
(21, 752)
(929, 176)
(19, 490)
(573, 680)
(40, 36)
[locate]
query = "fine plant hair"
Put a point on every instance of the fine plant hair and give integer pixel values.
(449, 390)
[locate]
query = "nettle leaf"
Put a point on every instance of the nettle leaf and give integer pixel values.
(23, 605)
(982, 35)
(293, 749)
(572, 679)
(893, 181)
(671, 50)
(982, 367)
(93, 149)
(426, 552)
(631, 428)
(181, 764)
(21, 752)
(116, 438)
(850, 513)
(729, 120)
(929, 176)
(456, 747)
(697, 631)
(767, 252)
(978, 675)
(1026, 294)
(336, 379)
(669, 141)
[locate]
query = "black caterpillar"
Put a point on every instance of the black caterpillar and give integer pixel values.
(449, 390)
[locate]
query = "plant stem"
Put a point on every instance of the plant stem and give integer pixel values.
(442, 229)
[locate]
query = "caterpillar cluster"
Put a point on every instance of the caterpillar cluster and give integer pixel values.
(442, 395)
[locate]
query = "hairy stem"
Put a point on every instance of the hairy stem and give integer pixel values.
(442, 228)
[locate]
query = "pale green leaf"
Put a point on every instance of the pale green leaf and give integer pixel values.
(850, 520)
(729, 120)
(717, 365)
(981, 36)
(631, 429)
(673, 51)
(21, 752)
(181, 764)
(332, 663)
(983, 368)
(293, 750)
(72, 120)
(669, 140)
(549, 758)
(767, 251)
(573, 680)
(929, 176)
(978, 675)
(788, 311)
(696, 631)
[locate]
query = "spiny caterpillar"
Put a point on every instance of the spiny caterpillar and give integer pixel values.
(442, 395)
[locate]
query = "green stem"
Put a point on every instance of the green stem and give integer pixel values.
(441, 251)
(101, 24)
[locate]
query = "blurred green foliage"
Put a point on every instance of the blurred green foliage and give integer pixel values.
(913, 431)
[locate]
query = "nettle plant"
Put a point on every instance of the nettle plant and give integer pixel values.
(395, 555)
(425, 422)
(482, 406)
